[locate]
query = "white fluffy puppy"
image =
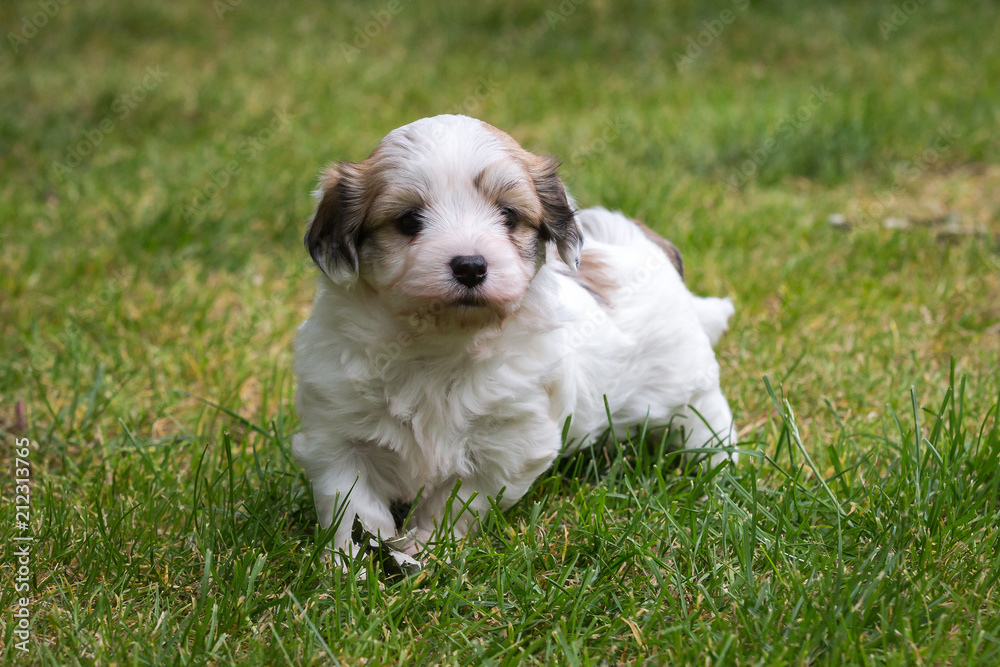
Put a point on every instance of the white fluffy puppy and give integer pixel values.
(445, 346)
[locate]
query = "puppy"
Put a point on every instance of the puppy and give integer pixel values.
(447, 345)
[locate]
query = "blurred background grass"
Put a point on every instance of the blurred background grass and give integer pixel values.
(126, 241)
(157, 160)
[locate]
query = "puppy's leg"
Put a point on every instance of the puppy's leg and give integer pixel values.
(461, 511)
(345, 483)
(709, 423)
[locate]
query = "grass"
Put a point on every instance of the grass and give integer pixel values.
(150, 288)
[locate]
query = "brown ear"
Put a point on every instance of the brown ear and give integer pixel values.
(558, 220)
(336, 226)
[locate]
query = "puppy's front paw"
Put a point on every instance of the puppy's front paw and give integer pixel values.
(391, 553)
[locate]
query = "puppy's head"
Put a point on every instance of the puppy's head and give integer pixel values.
(447, 213)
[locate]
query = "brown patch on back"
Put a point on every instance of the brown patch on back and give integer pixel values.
(672, 252)
(595, 276)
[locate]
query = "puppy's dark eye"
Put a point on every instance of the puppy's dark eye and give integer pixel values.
(410, 223)
(510, 217)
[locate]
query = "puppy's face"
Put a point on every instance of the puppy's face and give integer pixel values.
(448, 213)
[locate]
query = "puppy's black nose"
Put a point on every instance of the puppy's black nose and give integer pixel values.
(470, 270)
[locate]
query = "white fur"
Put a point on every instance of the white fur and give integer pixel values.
(401, 393)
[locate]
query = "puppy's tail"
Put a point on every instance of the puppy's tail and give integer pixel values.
(713, 315)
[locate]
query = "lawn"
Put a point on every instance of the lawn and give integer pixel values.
(833, 167)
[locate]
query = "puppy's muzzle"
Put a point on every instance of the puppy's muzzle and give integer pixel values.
(470, 270)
